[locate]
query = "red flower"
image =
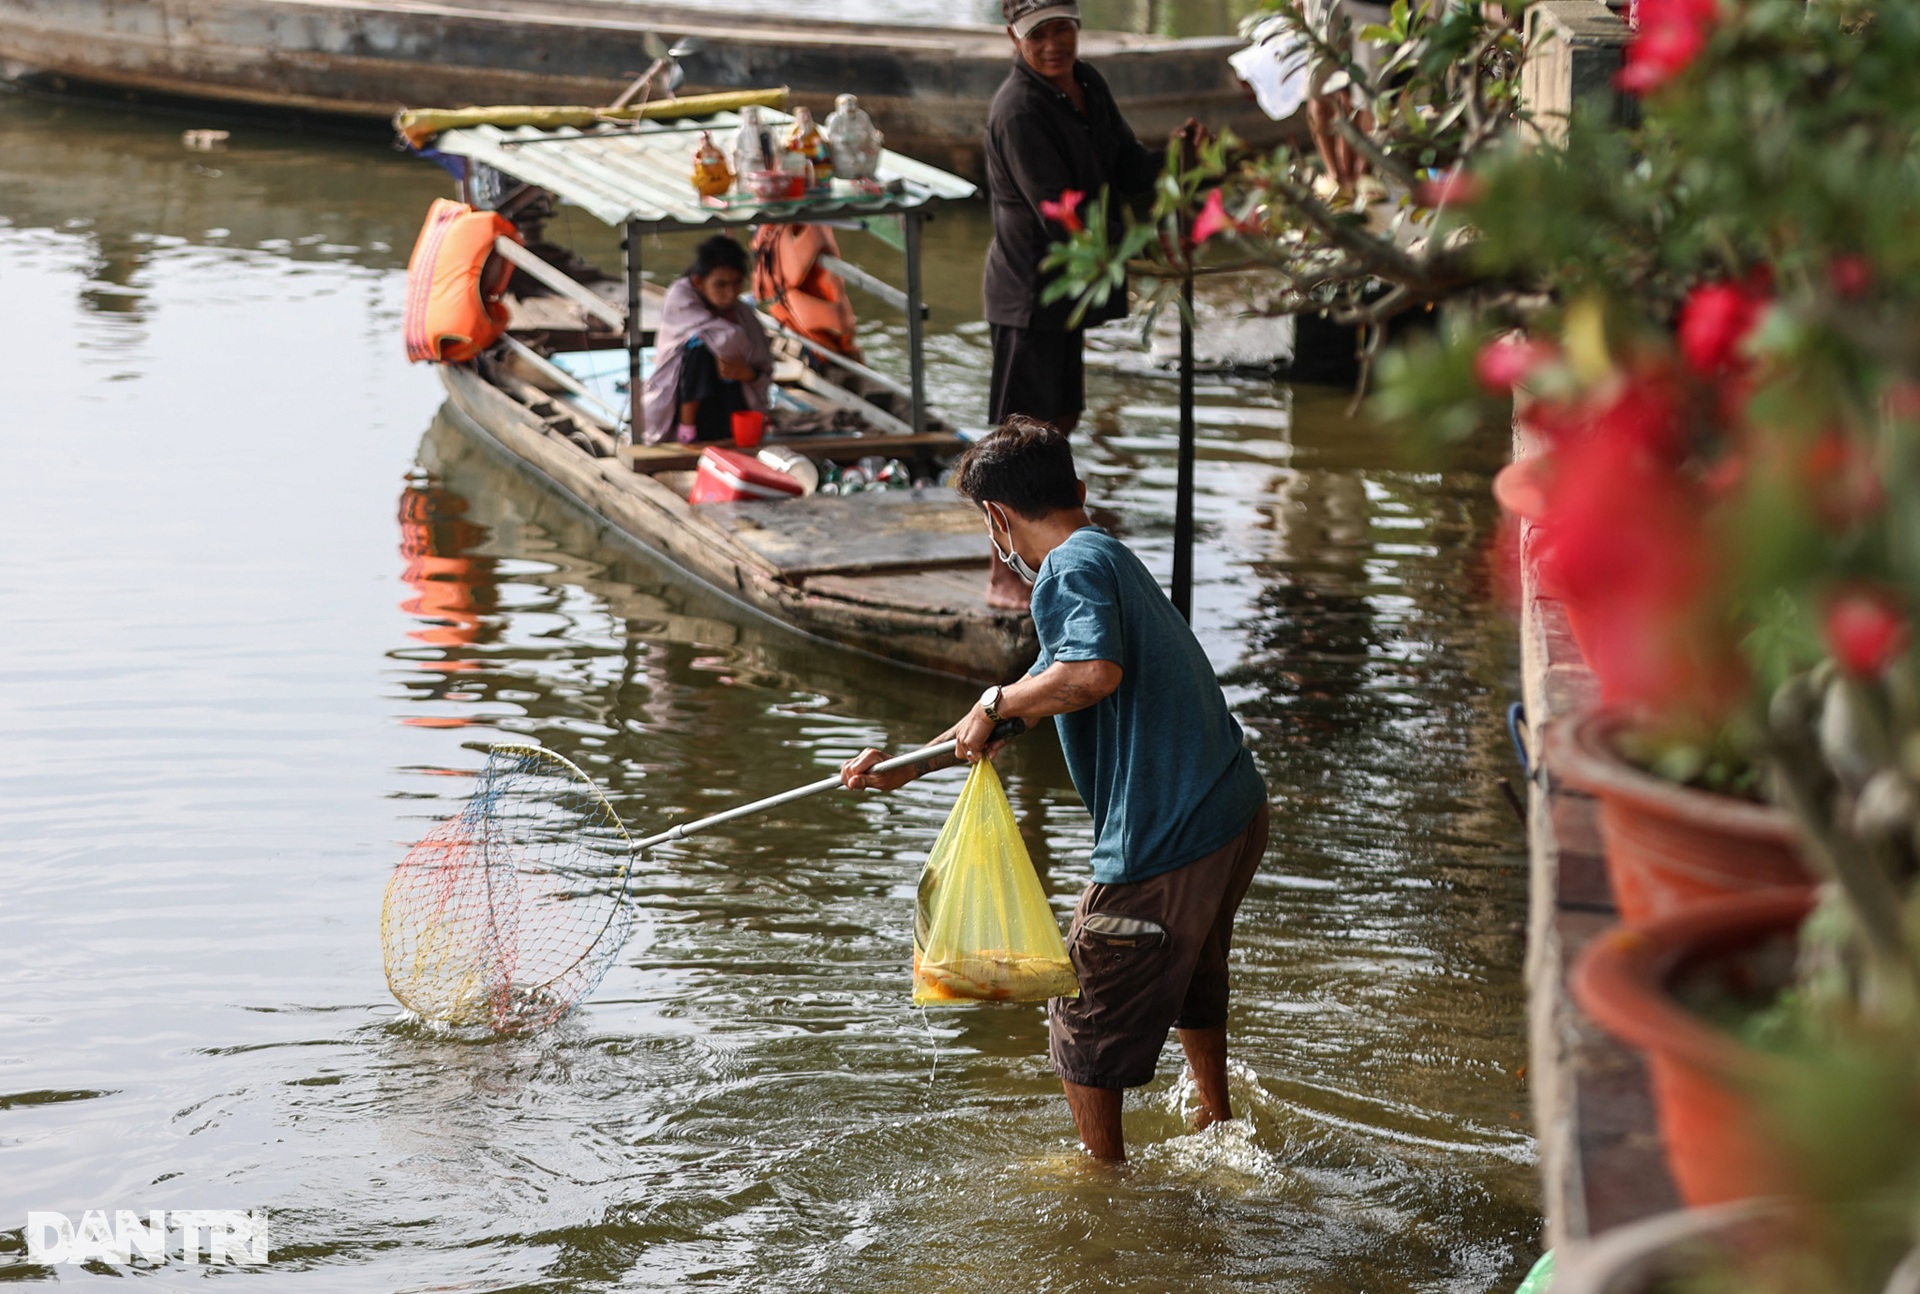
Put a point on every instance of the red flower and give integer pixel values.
(1628, 543)
(1456, 188)
(1626, 547)
(1645, 418)
(1065, 210)
(1637, 415)
(1672, 33)
(1506, 360)
(1715, 320)
(1865, 631)
(1849, 274)
(1212, 218)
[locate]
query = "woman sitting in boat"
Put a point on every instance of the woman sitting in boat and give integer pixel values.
(711, 358)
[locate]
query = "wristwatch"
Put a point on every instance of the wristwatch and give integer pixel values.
(990, 702)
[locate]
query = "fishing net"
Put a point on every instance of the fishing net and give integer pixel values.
(512, 911)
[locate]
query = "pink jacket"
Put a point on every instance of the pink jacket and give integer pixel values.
(734, 334)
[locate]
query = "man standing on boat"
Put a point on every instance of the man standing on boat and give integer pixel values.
(1053, 131)
(1055, 140)
(1179, 810)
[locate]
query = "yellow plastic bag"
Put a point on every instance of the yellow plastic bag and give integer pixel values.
(982, 930)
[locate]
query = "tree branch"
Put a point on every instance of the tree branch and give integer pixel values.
(1378, 158)
(1392, 262)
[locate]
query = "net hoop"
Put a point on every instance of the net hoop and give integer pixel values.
(513, 909)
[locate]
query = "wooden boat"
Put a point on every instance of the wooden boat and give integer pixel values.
(897, 574)
(456, 575)
(927, 87)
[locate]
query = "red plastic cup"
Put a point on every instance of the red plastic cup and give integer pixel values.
(749, 425)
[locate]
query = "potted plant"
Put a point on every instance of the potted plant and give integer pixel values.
(1671, 847)
(1717, 319)
(1682, 1249)
(1726, 360)
(1668, 989)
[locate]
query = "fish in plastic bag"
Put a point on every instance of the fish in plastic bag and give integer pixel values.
(982, 930)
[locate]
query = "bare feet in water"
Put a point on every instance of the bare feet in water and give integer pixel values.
(1005, 590)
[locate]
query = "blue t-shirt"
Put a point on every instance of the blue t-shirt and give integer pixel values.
(1160, 761)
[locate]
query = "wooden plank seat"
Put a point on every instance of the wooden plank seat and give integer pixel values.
(685, 458)
(880, 530)
(547, 312)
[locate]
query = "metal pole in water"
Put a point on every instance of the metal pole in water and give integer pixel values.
(1183, 488)
(916, 328)
(632, 250)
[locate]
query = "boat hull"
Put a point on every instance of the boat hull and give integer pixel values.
(928, 88)
(968, 641)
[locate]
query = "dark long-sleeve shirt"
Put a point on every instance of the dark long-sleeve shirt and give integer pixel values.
(1038, 145)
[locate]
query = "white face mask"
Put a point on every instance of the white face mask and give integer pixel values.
(1015, 562)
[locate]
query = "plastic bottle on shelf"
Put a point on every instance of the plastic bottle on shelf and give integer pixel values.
(751, 151)
(711, 174)
(804, 138)
(855, 143)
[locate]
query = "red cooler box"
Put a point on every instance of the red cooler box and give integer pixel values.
(728, 476)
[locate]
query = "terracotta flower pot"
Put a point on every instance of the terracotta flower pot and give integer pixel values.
(1671, 846)
(1682, 1249)
(1520, 488)
(1703, 1079)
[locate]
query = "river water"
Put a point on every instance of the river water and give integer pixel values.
(261, 603)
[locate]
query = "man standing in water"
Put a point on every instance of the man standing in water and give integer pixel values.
(1179, 810)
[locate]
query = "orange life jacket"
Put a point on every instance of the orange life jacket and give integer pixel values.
(791, 284)
(454, 281)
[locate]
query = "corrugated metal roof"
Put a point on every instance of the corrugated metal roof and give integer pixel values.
(643, 172)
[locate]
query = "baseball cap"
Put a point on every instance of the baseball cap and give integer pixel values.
(1024, 15)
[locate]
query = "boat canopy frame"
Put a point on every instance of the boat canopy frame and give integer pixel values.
(633, 175)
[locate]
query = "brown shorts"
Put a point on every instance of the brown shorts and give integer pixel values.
(1151, 956)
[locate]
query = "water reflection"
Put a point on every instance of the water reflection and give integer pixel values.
(453, 586)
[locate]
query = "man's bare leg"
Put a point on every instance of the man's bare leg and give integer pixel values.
(1207, 1056)
(1096, 1113)
(1342, 162)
